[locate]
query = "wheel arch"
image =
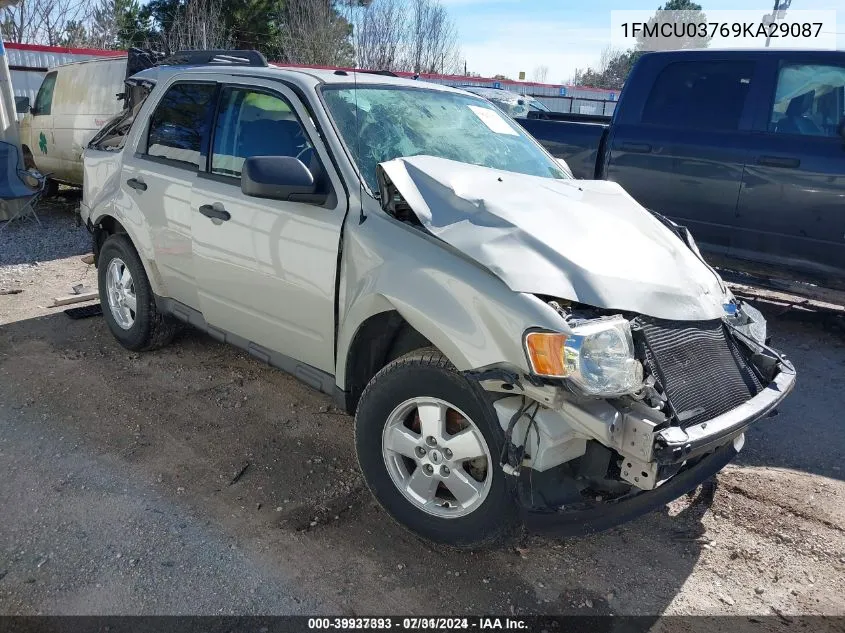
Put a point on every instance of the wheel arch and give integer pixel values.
(107, 225)
(378, 340)
(28, 157)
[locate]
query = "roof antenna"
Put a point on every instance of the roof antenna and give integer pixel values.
(361, 217)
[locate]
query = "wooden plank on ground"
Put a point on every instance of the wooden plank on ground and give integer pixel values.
(69, 299)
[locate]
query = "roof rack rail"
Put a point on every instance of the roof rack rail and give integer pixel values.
(385, 73)
(215, 58)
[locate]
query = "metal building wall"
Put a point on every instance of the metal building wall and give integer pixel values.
(556, 97)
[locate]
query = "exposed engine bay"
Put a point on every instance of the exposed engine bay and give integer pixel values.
(692, 372)
(656, 365)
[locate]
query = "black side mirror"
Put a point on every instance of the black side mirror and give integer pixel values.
(279, 178)
(22, 105)
(840, 129)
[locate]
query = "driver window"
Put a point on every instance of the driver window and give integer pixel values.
(251, 123)
(44, 98)
(809, 100)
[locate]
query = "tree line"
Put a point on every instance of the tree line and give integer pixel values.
(405, 35)
(614, 65)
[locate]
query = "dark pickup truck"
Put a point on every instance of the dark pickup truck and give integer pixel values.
(746, 148)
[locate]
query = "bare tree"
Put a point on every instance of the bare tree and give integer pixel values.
(613, 68)
(432, 43)
(21, 23)
(199, 25)
(44, 21)
(380, 31)
(540, 74)
(313, 32)
(56, 14)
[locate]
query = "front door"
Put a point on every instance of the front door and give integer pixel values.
(266, 269)
(791, 207)
(42, 142)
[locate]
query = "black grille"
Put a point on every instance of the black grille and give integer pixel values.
(699, 365)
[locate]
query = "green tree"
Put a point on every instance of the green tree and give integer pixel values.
(118, 24)
(680, 5)
(75, 34)
(615, 65)
(613, 69)
(681, 16)
(251, 24)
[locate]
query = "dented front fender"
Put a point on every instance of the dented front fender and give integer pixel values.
(469, 314)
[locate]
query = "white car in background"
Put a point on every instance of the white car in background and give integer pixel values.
(74, 102)
(512, 103)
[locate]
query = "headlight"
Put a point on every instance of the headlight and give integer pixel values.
(598, 357)
(748, 320)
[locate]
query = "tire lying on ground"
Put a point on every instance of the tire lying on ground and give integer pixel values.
(127, 299)
(428, 444)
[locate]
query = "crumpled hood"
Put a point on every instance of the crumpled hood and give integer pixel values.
(583, 240)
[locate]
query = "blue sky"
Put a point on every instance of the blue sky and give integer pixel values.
(507, 36)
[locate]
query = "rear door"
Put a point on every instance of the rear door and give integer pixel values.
(683, 156)
(158, 178)
(267, 273)
(791, 210)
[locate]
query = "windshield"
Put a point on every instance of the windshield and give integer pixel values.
(537, 106)
(398, 122)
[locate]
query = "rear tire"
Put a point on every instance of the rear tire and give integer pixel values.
(469, 502)
(127, 299)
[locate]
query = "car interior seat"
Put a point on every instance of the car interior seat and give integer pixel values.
(276, 137)
(796, 119)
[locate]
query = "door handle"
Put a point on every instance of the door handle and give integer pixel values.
(636, 148)
(779, 161)
(137, 185)
(213, 212)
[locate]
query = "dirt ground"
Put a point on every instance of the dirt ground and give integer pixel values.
(196, 480)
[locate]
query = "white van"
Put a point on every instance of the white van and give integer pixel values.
(73, 103)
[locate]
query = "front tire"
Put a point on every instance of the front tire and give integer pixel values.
(428, 443)
(127, 299)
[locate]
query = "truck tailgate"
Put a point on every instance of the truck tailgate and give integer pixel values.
(578, 143)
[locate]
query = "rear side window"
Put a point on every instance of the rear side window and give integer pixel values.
(252, 123)
(700, 95)
(180, 123)
(809, 100)
(44, 99)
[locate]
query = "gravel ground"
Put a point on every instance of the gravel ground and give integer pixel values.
(121, 496)
(43, 261)
(25, 243)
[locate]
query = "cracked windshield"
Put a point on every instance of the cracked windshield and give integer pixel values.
(396, 122)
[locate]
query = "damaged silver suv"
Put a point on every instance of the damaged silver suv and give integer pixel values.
(518, 347)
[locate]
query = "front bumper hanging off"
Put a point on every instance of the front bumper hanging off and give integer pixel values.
(612, 513)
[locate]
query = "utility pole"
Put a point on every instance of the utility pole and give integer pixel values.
(778, 13)
(9, 132)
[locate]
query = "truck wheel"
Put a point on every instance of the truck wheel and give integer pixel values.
(428, 444)
(128, 303)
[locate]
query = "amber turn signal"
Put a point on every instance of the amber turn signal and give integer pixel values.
(545, 353)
